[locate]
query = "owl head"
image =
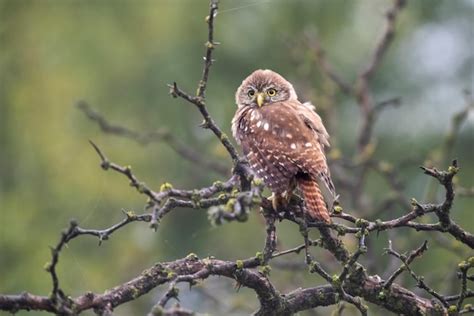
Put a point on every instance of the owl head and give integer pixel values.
(262, 88)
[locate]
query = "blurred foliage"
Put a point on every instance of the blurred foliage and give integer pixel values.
(119, 56)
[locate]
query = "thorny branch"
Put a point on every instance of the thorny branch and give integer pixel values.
(200, 99)
(415, 253)
(420, 282)
(229, 201)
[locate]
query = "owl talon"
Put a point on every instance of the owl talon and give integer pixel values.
(280, 202)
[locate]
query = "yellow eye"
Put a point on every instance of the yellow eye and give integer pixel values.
(271, 92)
(251, 93)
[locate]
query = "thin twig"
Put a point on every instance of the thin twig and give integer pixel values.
(324, 64)
(420, 282)
(464, 268)
(200, 99)
(413, 254)
(210, 45)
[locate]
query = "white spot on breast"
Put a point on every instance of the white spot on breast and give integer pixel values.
(308, 145)
(293, 146)
(289, 136)
(266, 126)
(252, 115)
(259, 123)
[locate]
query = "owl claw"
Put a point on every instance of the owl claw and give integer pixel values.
(275, 202)
(280, 201)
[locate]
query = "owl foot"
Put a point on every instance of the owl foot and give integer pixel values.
(279, 202)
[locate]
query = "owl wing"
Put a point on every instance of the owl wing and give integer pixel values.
(315, 159)
(314, 122)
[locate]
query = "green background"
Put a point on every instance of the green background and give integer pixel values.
(119, 56)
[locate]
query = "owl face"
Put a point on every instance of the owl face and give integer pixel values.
(262, 88)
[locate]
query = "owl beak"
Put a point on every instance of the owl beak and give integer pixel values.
(260, 99)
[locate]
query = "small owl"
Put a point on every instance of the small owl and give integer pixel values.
(283, 140)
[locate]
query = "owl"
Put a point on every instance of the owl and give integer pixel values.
(283, 140)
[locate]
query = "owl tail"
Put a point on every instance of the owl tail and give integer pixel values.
(314, 200)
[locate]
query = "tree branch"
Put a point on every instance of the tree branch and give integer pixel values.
(145, 138)
(226, 201)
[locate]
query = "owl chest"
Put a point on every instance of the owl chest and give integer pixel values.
(260, 125)
(263, 141)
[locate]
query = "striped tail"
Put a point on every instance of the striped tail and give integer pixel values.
(314, 200)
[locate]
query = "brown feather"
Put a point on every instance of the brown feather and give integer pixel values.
(314, 200)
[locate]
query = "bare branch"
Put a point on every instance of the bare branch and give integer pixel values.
(324, 64)
(393, 102)
(464, 268)
(362, 90)
(296, 250)
(414, 254)
(210, 44)
(420, 282)
(208, 121)
(145, 138)
(199, 100)
(385, 40)
(141, 187)
(446, 179)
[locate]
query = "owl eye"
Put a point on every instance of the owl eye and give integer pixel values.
(251, 93)
(271, 92)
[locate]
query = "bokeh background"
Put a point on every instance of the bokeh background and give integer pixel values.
(119, 56)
